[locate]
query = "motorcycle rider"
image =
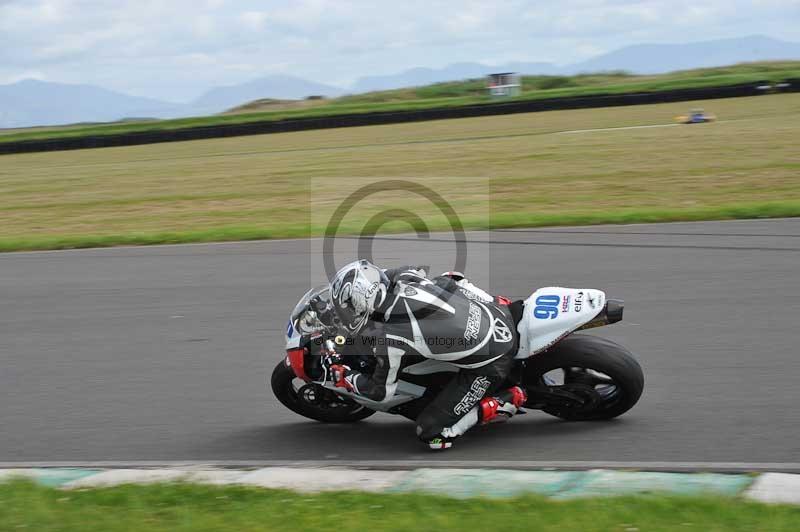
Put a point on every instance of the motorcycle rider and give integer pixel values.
(446, 318)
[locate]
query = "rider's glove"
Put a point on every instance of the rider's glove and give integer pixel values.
(342, 377)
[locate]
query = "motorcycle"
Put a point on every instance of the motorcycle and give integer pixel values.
(576, 377)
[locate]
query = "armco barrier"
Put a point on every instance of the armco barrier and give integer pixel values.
(384, 117)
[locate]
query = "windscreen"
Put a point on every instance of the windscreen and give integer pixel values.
(314, 312)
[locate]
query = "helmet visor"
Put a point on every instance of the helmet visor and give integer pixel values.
(353, 312)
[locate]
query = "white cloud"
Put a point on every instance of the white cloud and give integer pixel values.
(253, 20)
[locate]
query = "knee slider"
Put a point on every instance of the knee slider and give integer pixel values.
(427, 428)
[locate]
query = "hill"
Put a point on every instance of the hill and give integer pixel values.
(272, 87)
(637, 59)
(449, 95)
(660, 58)
(33, 103)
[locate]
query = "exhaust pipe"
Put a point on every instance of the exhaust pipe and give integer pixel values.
(614, 309)
(611, 313)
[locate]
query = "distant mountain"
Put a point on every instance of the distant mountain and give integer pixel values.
(639, 59)
(36, 103)
(275, 87)
(416, 77)
(659, 58)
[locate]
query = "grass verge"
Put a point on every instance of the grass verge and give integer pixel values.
(176, 507)
(787, 209)
(537, 169)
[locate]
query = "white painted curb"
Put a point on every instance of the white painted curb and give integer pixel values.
(775, 488)
(322, 479)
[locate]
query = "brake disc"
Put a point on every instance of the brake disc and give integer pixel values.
(309, 394)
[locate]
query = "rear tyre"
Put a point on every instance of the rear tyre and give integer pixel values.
(602, 373)
(314, 401)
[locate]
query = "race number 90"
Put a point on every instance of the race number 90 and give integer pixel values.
(546, 307)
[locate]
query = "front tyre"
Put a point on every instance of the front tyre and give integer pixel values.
(602, 376)
(314, 401)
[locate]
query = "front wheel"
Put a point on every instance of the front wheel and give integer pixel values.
(314, 401)
(592, 378)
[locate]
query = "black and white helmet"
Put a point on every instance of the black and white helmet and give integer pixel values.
(356, 290)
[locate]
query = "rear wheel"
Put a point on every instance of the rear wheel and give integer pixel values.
(312, 400)
(591, 378)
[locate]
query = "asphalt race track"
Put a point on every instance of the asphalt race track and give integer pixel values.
(162, 353)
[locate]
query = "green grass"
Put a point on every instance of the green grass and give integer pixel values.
(785, 209)
(499, 171)
(24, 506)
(450, 94)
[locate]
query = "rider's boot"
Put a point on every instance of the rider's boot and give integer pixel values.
(502, 407)
(444, 440)
(440, 443)
(490, 410)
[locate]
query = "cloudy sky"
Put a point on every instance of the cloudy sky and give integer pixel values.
(175, 49)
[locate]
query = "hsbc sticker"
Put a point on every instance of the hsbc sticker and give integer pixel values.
(565, 304)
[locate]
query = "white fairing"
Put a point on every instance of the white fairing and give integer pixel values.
(552, 313)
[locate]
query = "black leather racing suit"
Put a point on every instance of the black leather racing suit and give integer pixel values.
(440, 320)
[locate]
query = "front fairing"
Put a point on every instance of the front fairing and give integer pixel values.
(310, 317)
